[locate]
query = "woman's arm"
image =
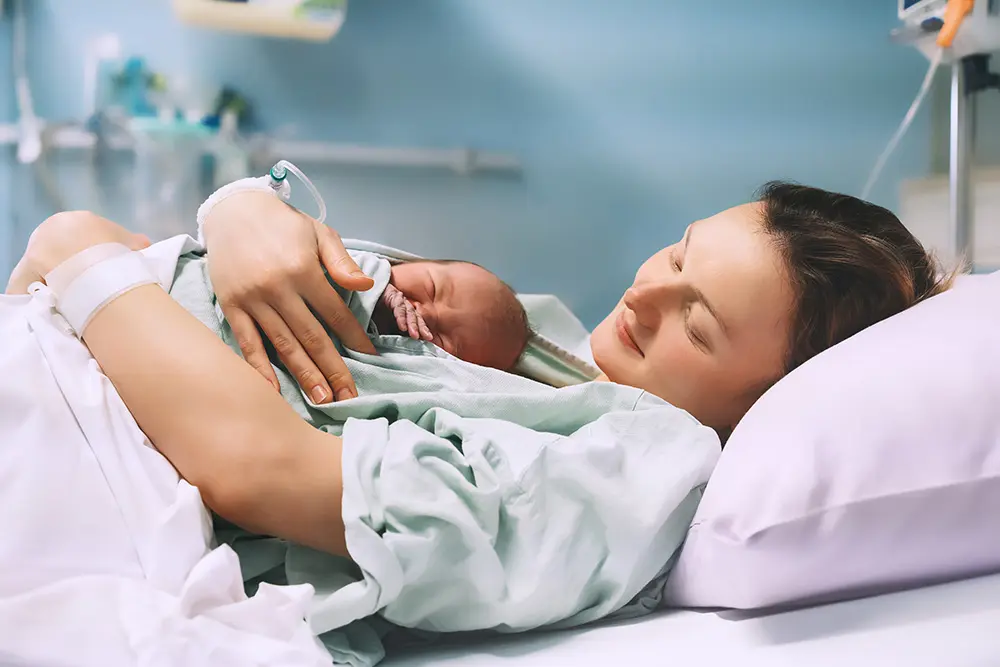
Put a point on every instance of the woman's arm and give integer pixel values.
(254, 460)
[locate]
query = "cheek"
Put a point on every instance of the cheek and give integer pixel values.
(602, 345)
(673, 359)
(682, 375)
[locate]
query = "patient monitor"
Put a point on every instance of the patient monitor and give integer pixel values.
(979, 31)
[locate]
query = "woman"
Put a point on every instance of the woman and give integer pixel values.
(707, 326)
(801, 268)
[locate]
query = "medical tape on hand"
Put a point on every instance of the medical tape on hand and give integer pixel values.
(260, 184)
(97, 285)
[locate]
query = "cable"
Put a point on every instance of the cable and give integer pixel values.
(278, 174)
(904, 126)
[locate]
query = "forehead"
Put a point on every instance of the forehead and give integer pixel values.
(462, 276)
(739, 268)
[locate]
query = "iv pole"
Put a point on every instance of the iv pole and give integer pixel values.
(962, 127)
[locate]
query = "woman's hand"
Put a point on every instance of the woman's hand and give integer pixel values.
(62, 236)
(266, 265)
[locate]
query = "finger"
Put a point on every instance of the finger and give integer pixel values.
(411, 321)
(425, 331)
(291, 354)
(400, 313)
(251, 344)
(323, 299)
(318, 348)
(339, 264)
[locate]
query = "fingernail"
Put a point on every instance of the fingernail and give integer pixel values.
(345, 395)
(359, 274)
(319, 395)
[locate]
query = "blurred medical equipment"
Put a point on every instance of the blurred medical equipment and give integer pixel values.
(962, 34)
(965, 27)
(29, 143)
(168, 158)
(160, 141)
(312, 20)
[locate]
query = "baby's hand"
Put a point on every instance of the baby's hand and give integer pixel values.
(407, 318)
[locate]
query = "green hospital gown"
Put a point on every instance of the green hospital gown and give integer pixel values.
(476, 499)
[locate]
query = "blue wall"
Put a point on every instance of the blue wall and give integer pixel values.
(632, 118)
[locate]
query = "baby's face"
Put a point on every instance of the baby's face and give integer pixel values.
(454, 299)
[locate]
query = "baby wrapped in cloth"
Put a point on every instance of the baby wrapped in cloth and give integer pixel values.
(478, 499)
(459, 306)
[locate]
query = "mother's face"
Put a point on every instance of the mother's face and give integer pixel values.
(705, 325)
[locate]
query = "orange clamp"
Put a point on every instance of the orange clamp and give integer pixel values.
(954, 13)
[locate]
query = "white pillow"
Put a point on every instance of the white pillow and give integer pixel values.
(876, 465)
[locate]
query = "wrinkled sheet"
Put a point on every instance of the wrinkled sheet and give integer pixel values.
(105, 554)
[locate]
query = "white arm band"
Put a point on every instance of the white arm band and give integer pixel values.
(100, 278)
(261, 184)
(59, 278)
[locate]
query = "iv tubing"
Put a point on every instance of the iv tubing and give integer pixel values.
(904, 126)
(278, 174)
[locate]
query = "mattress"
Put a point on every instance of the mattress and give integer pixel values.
(955, 624)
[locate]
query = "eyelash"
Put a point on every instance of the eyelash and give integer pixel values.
(697, 340)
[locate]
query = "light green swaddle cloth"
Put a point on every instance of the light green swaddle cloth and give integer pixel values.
(476, 499)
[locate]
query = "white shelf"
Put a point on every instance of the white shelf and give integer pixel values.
(462, 161)
(257, 19)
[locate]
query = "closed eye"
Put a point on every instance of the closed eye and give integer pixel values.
(675, 262)
(430, 287)
(696, 338)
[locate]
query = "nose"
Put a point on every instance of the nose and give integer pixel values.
(651, 299)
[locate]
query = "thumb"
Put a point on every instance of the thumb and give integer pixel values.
(341, 267)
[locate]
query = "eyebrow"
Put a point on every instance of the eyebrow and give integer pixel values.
(699, 295)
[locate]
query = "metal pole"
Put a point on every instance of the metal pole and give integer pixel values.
(960, 163)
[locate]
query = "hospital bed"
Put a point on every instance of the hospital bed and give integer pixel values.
(954, 624)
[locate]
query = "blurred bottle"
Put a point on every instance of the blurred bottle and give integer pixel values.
(168, 175)
(231, 159)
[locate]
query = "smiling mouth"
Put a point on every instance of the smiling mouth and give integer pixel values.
(624, 335)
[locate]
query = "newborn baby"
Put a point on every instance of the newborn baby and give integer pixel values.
(460, 307)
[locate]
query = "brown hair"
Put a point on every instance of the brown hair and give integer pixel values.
(851, 264)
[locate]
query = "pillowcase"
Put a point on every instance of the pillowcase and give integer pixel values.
(874, 466)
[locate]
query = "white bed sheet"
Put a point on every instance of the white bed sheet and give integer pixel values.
(955, 624)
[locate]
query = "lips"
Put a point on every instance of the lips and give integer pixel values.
(625, 334)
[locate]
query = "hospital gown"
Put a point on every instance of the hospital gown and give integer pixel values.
(476, 499)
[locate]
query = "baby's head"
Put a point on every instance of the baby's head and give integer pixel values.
(470, 312)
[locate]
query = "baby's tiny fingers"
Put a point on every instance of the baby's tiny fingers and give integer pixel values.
(399, 312)
(425, 331)
(411, 321)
